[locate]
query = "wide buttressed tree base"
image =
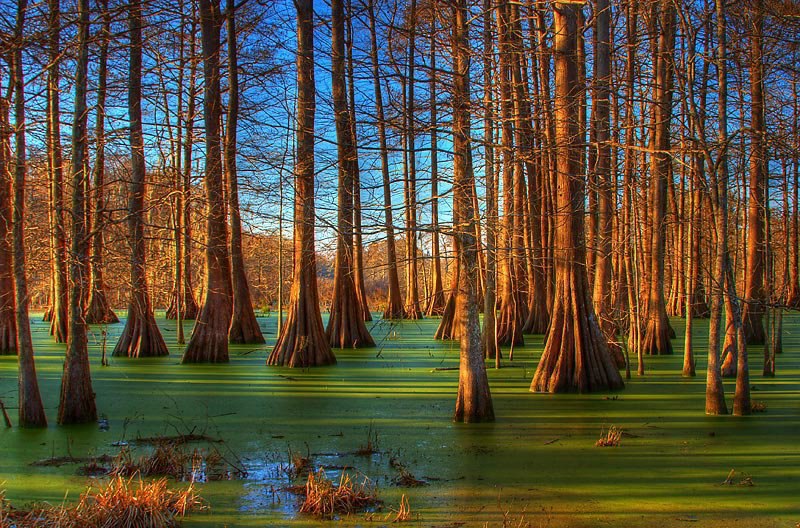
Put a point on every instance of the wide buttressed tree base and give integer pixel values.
(575, 357)
(303, 342)
(209, 341)
(99, 310)
(141, 336)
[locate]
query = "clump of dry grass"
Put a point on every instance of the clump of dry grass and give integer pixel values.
(610, 438)
(119, 503)
(325, 499)
(403, 513)
(758, 406)
(172, 460)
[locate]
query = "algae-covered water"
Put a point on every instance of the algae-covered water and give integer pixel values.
(537, 464)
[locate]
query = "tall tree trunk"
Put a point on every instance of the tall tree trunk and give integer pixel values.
(510, 321)
(141, 336)
(715, 392)
(413, 310)
(184, 287)
(754, 294)
(658, 331)
(629, 230)
(436, 300)
(394, 303)
(490, 346)
(58, 321)
(99, 310)
(793, 297)
(358, 236)
(474, 400)
(244, 326)
(77, 403)
(575, 356)
(31, 410)
(346, 328)
(601, 133)
(8, 325)
(209, 341)
(303, 342)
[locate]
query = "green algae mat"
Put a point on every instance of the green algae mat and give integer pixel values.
(383, 414)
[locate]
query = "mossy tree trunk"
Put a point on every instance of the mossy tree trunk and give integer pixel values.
(575, 357)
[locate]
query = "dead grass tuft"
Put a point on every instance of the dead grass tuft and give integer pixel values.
(610, 438)
(119, 503)
(403, 513)
(325, 499)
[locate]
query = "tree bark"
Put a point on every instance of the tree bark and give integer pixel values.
(303, 342)
(793, 296)
(209, 341)
(394, 302)
(715, 392)
(31, 410)
(575, 357)
(437, 299)
(141, 336)
(77, 402)
(754, 294)
(601, 134)
(474, 399)
(99, 310)
(510, 321)
(58, 320)
(8, 325)
(413, 310)
(184, 287)
(658, 332)
(244, 326)
(490, 346)
(346, 328)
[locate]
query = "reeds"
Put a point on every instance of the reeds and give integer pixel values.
(119, 503)
(325, 499)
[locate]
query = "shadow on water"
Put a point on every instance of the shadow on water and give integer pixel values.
(538, 461)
